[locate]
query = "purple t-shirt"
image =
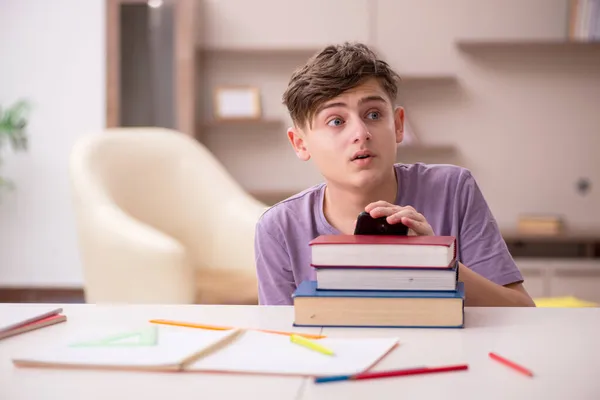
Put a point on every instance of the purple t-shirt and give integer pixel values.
(448, 196)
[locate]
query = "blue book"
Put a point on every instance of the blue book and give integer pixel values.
(374, 308)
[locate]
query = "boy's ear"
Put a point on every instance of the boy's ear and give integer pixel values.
(297, 139)
(399, 124)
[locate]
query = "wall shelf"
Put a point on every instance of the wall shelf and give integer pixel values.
(568, 245)
(258, 51)
(305, 53)
(476, 45)
(248, 123)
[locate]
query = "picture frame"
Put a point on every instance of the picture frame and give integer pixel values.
(235, 103)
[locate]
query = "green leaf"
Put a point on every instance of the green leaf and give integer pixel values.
(6, 184)
(13, 122)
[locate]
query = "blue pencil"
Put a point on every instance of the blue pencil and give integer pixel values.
(335, 378)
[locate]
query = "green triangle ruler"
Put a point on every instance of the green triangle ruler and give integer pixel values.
(142, 337)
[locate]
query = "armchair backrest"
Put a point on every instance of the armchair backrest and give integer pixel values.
(171, 182)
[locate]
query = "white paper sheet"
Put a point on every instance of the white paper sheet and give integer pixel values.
(258, 352)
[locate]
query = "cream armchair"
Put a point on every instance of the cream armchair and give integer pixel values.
(160, 220)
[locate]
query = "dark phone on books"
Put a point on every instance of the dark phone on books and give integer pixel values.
(367, 225)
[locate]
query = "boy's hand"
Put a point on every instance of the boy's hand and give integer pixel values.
(408, 216)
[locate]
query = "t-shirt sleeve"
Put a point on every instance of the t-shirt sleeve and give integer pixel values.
(481, 245)
(273, 267)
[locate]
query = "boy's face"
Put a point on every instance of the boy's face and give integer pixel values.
(353, 137)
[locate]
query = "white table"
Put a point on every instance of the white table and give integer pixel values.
(561, 346)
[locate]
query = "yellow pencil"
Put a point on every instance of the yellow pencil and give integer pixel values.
(226, 328)
(311, 345)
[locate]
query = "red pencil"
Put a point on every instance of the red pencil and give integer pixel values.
(413, 371)
(390, 374)
(511, 364)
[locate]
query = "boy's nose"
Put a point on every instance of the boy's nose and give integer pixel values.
(361, 132)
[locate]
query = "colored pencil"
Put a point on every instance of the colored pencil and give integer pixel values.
(511, 364)
(302, 341)
(226, 328)
(392, 373)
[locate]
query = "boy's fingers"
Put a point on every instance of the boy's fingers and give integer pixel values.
(381, 212)
(420, 228)
(406, 213)
(376, 204)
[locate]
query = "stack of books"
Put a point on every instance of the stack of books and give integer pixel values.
(382, 281)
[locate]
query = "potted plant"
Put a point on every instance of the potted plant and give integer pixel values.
(13, 121)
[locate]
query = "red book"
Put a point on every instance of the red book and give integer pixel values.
(375, 251)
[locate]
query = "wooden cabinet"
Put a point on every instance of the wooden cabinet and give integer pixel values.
(581, 279)
(276, 24)
(554, 277)
(565, 265)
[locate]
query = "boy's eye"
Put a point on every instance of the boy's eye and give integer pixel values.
(374, 115)
(335, 122)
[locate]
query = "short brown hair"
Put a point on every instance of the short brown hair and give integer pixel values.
(332, 71)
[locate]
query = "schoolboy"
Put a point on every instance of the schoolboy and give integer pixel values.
(345, 121)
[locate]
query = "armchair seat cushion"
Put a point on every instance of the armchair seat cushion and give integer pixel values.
(222, 286)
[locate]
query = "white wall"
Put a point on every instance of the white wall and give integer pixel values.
(52, 53)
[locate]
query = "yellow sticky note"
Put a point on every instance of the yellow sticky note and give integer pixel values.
(563, 302)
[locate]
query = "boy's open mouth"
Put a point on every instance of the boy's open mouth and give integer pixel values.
(361, 155)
